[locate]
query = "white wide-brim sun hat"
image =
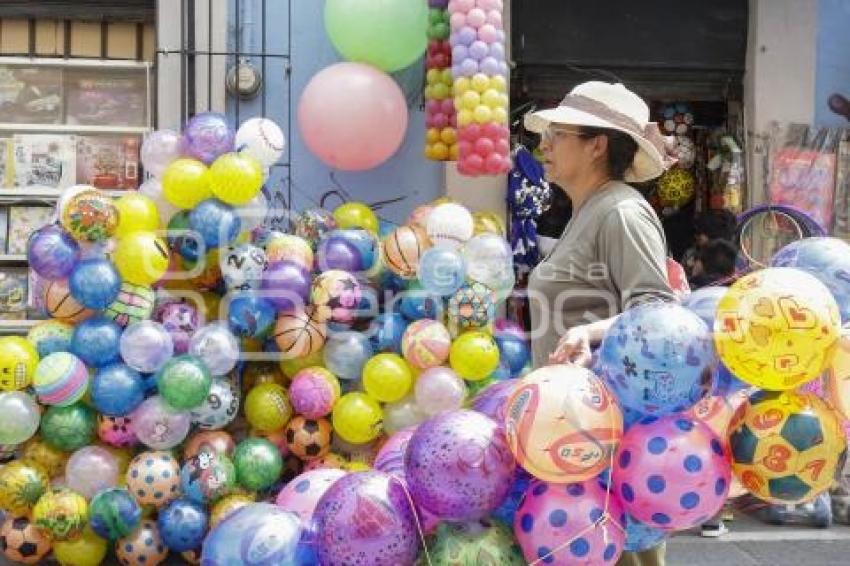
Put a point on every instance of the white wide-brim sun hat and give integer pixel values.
(612, 106)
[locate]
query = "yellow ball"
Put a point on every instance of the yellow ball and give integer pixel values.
(141, 258)
(488, 222)
(228, 504)
(777, 328)
(676, 187)
(51, 459)
(356, 215)
(470, 100)
(499, 83)
(136, 213)
(22, 483)
(441, 91)
(446, 77)
(474, 355)
(492, 98)
(448, 136)
(429, 93)
(454, 152)
(186, 182)
(440, 151)
(500, 116)
(433, 76)
(87, 550)
(357, 418)
(464, 118)
(62, 513)
(482, 114)
(480, 82)
(356, 466)
(428, 152)
(267, 407)
(18, 359)
(461, 85)
(432, 135)
(236, 178)
(387, 377)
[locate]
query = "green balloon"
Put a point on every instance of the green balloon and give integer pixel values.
(258, 464)
(69, 428)
(477, 543)
(388, 34)
(184, 382)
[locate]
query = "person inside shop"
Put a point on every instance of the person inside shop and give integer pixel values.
(612, 254)
(714, 264)
(711, 225)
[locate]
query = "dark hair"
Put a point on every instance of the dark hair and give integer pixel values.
(621, 149)
(716, 224)
(718, 258)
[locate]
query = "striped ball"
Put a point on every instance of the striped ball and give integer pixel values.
(60, 379)
(426, 344)
(403, 249)
(298, 334)
(134, 304)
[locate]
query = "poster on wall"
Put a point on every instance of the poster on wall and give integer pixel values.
(44, 160)
(106, 99)
(805, 179)
(108, 162)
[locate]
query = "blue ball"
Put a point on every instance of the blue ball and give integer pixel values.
(180, 237)
(828, 259)
(216, 222)
(260, 534)
(640, 537)
(506, 512)
(442, 271)
(658, 358)
(345, 354)
(514, 351)
(416, 304)
(117, 389)
(95, 283)
(250, 315)
(95, 341)
(386, 331)
(703, 302)
(363, 241)
(114, 513)
(182, 525)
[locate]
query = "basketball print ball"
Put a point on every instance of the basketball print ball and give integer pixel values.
(134, 304)
(308, 438)
(563, 424)
(58, 302)
(335, 295)
(298, 334)
(403, 248)
(426, 344)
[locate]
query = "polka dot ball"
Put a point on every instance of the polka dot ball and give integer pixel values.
(154, 478)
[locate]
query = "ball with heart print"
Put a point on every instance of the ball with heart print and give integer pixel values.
(777, 328)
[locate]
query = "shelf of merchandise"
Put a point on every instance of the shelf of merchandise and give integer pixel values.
(48, 196)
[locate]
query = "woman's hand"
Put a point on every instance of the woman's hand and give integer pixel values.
(573, 347)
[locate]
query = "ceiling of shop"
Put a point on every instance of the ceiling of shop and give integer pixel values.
(100, 10)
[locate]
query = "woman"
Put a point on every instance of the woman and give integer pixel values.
(612, 254)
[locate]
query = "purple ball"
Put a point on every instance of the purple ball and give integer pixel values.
(466, 35)
(366, 514)
(497, 52)
(286, 285)
(459, 466)
(492, 401)
(52, 252)
(489, 66)
(338, 253)
(478, 50)
(208, 135)
(460, 52)
(442, 4)
(468, 67)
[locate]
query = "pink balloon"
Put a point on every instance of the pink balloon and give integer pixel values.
(494, 164)
(494, 18)
(476, 17)
(475, 163)
(432, 106)
(352, 116)
(552, 515)
(447, 106)
(441, 120)
(672, 473)
(457, 20)
(302, 494)
(430, 120)
(463, 5)
(488, 33)
(438, 390)
(484, 147)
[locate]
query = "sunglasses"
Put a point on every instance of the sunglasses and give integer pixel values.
(551, 133)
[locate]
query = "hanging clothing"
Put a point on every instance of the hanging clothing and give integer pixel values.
(528, 197)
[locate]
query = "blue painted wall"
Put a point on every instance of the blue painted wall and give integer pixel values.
(833, 59)
(296, 28)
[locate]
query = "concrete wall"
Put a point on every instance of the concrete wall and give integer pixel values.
(833, 59)
(780, 80)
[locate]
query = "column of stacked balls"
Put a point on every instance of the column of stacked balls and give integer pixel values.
(441, 137)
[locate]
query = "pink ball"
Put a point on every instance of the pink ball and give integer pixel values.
(494, 18)
(457, 20)
(552, 514)
(463, 5)
(494, 164)
(453, 120)
(313, 392)
(503, 147)
(492, 131)
(484, 147)
(429, 120)
(352, 116)
(476, 17)
(116, 431)
(447, 106)
(671, 473)
(464, 147)
(438, 390)
(470, 133)
(302, 494)
(474, 163)
(491, 5)
(432, 106)
(488, 33)
(440, 120)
